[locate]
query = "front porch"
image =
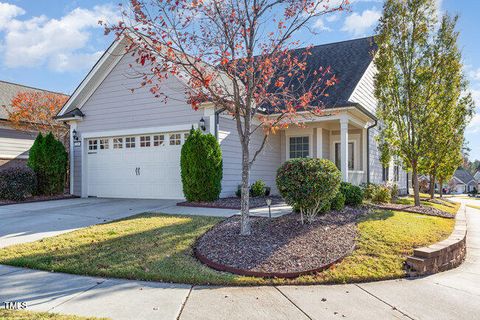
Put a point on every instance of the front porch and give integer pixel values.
(341, 138)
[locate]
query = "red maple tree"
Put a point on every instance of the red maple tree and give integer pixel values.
(236, 54)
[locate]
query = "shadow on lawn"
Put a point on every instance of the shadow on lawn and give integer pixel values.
(117, 249)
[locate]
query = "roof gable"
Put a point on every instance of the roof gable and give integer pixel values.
(463, 175)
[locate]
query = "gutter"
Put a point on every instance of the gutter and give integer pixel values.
(368, 149)
(217, 120)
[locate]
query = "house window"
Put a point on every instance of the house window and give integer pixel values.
(185, 136)
(103, 144)
(130, 142)
(144, 141)
(338, 155)
(92, 144)
(117, 143)
(396, 173)
(385, 172)
(175, 139)
(299, 147)
(158, 140)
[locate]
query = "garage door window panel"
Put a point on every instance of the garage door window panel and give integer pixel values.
(130, 142)
(158, 140)
(117, 143)
(144, 141)
(92, 145)
(103, 143)
(175, 139)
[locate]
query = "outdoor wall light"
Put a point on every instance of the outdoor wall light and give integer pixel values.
(75, 136)
(202, 124)
(269, 203)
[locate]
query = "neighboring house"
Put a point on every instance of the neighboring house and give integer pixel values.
(127, 144)
(14, 142)
(462, 182)
(477, 178)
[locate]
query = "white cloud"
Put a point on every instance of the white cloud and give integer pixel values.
(358, 24)
(61, 44)
(320, 25)
(8, 12)
(475, 74)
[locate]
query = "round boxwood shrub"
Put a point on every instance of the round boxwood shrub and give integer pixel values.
(308, 185)
(49, 160)
(258, 188)
(338, 203)
(201, 167)
(353, 194)
(17, 183)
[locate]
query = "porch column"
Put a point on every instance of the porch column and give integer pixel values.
(344, 148)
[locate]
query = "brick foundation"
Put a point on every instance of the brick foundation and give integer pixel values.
(444, 255)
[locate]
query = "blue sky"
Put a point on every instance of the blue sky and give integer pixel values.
(52, 44)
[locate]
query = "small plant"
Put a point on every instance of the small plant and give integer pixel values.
(201, 167)
(381, 194)
(308, 185)
(258, 188)
(338, 203)
(17, 183)
(238, 193)
(394, 191)
(353, 194)
(368, 190)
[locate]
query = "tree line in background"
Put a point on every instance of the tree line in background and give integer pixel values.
(424, 106)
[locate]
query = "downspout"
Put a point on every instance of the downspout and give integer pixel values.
(368, 149)
(217, 120)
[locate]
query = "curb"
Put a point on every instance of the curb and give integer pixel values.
(443, 255)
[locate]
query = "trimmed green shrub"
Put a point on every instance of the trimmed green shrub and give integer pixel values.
(238, 193)
(338, 203)
(49, 160)
(258, 188)
(308, 184)
(381, 194)
(17, 183)
(201, 167)
(394, 191)
(368, 190)
(353, 194)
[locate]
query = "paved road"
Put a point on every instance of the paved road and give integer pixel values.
(450, 295)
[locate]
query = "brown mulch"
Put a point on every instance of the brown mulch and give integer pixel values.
(233, 203)
(38, 199)
(430, 211)
(280, 246)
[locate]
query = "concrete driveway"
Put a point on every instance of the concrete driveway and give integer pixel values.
(27, 222)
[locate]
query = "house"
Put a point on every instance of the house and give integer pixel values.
(476, 176)
(14, 142)
(127, 144)
(462, 182)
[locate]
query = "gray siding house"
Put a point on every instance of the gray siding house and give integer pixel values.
(127, 144)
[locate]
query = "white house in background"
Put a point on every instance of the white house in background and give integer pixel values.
(462, 182)
(127, 144)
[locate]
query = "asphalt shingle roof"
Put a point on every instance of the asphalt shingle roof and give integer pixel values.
(8, 91)
(348, 61)
(463, 175)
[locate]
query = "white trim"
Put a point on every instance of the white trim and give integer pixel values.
(136, 131)
(73, 126)
(103, 60)
(299, 132)
(320, 142)
(74, 118)
(10, 157)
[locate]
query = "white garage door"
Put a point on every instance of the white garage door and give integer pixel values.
(142, 166)
(460, 188)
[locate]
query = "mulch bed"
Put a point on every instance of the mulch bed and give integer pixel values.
(280, 247)
(38, 199)
(430, 211)
(233, 203)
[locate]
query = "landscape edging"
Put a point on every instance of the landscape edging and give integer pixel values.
(443, 255)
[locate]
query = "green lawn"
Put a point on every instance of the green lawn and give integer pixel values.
(447, 206)
(27, 315)
(158, 247)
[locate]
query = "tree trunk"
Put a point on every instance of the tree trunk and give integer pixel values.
(432, 187)
(416, 191)
(245, 229)
(441, 187)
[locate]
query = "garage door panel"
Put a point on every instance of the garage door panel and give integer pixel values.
(113, 172)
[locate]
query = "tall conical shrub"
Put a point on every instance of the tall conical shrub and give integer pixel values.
(201, 167)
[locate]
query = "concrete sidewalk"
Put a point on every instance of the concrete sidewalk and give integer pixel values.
(450, 295)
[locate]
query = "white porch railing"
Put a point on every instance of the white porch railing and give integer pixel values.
(357, 177)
